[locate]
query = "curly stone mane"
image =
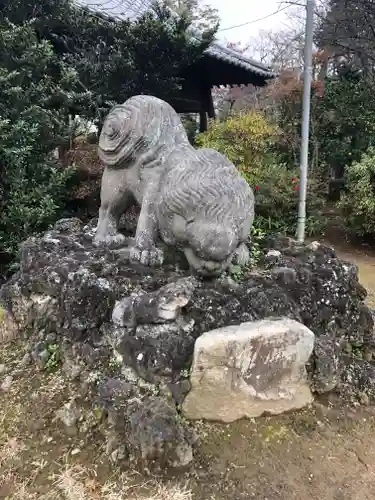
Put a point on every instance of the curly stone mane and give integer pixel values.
(143, 124)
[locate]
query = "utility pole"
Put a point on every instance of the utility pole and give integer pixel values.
(305, 119)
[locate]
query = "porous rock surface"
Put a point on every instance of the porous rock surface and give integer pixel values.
(125, 333)
(250, 369)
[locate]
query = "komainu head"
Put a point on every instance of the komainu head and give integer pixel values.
(142, 125)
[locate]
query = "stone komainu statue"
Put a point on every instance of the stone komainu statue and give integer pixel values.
(194, 199)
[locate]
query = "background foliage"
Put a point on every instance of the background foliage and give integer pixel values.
(58, 61)
(33, 121)
(249, 140)
(344, 120)
(114, 58)
(358, 201)
(246, 139)
(343, 97)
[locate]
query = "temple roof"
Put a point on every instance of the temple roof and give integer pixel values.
(231, 56)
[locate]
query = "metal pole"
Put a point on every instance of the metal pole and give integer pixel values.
(305, 119)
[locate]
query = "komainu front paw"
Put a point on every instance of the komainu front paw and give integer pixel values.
(151, 257)
(241, 255)
(109, 240)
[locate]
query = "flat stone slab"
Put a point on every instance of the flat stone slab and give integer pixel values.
(250, 369)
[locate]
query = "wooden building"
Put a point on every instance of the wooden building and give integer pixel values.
(220, 66)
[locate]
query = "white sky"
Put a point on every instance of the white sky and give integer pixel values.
(234, 12)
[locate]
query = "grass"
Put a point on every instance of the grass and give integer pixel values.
(77, 483)
(36, 459)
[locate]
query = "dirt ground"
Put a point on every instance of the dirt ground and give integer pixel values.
(324, 452)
